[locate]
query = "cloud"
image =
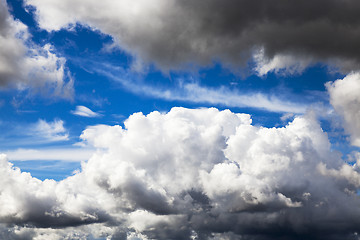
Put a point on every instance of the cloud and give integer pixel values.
(25, 199)
(190, 91)
(345, 98)
(280, 64)
(193, 92)
(37, 133)
(62, 154)
(200, 173)
(173, 34)
(85, 112)
(25, 65)
(286, 117)
(52, 131)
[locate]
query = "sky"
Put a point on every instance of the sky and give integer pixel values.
(184, 119)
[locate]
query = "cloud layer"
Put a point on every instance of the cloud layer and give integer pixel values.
(172, 33)
(201, 173)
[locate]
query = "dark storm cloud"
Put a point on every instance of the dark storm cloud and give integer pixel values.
(174, 33)
(320, 29)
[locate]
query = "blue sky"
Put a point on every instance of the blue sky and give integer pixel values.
(120, 119)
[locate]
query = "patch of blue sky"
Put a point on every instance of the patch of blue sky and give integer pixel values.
(16, 8)
(57, 170)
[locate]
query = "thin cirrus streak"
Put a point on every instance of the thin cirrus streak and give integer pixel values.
(73, 154)
(193, 92)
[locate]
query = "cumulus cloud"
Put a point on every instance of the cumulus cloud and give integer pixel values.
(345, 98)
(174, 33)
(25, 199)
(85, 112)
(25, 65)
(203, 174)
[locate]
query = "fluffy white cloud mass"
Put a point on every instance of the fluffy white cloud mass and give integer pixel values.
(173, 33)
(345, 97)
(25, 65)
(202, 174)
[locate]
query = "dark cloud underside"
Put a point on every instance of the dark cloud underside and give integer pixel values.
(174, 33)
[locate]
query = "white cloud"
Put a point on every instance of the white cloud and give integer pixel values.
(52, 131)
(230, 98)
(45, 72)
(62, 154)
(193, 172)
(35, 134)
(345, 98)
(193, 92)
(25, 65)
(286, 116)
(85, 112)
(280, 64)
(24, 198)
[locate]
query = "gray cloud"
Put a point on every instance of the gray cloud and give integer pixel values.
(25, 65)
(172, 34)
(203, 174)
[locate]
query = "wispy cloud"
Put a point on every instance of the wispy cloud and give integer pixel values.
(63, 154)
(40, 133)
(195, 93)
(52, 131)
(85, 112)
(280, 63)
